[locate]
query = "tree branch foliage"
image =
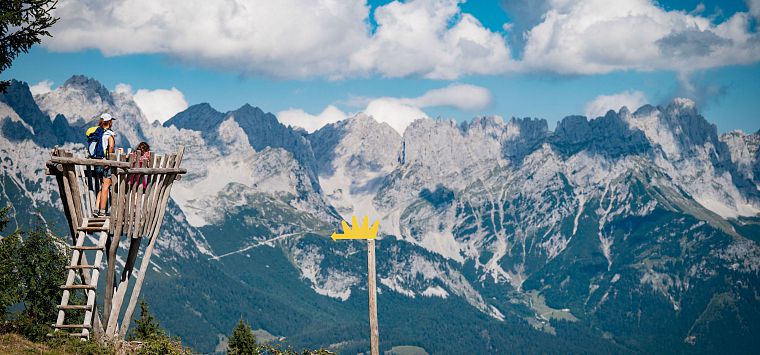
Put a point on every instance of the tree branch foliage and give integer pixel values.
(32, 267)
(22, 24)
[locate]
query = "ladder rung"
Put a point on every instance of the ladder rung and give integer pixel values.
(79, 335)
(96, 221)
(87, 247)
(93, 229)
(68, 267)
(71, 326)
(76, 306)
(78, 287)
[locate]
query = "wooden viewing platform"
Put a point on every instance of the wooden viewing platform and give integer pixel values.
(137, 203)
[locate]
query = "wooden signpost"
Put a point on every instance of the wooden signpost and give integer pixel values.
(364, 231)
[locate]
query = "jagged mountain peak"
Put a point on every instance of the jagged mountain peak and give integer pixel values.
(44, 130)
(205, 118)
(682, 104)
(262, 129)
(358, 124)
(360, 139)
(251, 115)
(645, 110)
(745, 152)
(90, 87)
(248, 108)
(677, 128)
(608, 135)
(538, 123)
(199, 117)
(484, 121)
(18, 94)
(201, 107)
(486, 137)
(421, 124)
(353, 157)
(79, 99)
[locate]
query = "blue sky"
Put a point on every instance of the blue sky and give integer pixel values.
(717, 65)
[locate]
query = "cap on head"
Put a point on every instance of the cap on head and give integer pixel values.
(106, 117)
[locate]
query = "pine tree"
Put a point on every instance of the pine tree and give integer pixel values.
(147, 327)
(10, 285)
(242, 341)
(5, 217)
(31, 271)
(40, 265)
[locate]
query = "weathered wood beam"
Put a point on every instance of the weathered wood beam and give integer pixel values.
(145, 264)
(372, 287)
(84, 161)
(113, 248)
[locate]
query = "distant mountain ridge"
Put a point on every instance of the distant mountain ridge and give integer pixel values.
(262, 128)
(631, 232)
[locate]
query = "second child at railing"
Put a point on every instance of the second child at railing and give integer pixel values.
(141, 161)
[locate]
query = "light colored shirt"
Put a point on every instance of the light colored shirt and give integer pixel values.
(106, 134)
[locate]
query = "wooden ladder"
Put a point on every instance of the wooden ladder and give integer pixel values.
(89, 226)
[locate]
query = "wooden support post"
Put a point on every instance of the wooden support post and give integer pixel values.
(130, 220)
(373, 331)
(113, 248)
(66, 208)
(145, 264)
(76, 197)
(115, 297)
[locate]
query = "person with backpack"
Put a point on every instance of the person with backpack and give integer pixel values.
(100, 144)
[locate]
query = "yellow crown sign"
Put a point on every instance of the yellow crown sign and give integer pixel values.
(356, 230)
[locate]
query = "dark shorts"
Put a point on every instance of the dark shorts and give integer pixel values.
(103, 172)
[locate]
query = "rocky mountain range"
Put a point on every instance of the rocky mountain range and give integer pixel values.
(632, 232)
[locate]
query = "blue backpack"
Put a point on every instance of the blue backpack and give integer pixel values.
(95, 142)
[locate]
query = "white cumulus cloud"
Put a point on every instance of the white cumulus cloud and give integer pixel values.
(394, 112)
(461, 96)
(284, 38)
(122, 88)
(603, 103)
(398, 112)
(288, 38)
(754, 8)
(599, 36)
(43, 87)
(157, 105)
(421, 38)
(431, 38)
(309, 122)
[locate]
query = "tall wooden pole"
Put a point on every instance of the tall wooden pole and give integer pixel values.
(373, 331)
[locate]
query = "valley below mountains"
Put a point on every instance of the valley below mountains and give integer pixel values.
(634, 232)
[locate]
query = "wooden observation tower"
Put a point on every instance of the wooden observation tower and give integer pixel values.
(137, 203)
